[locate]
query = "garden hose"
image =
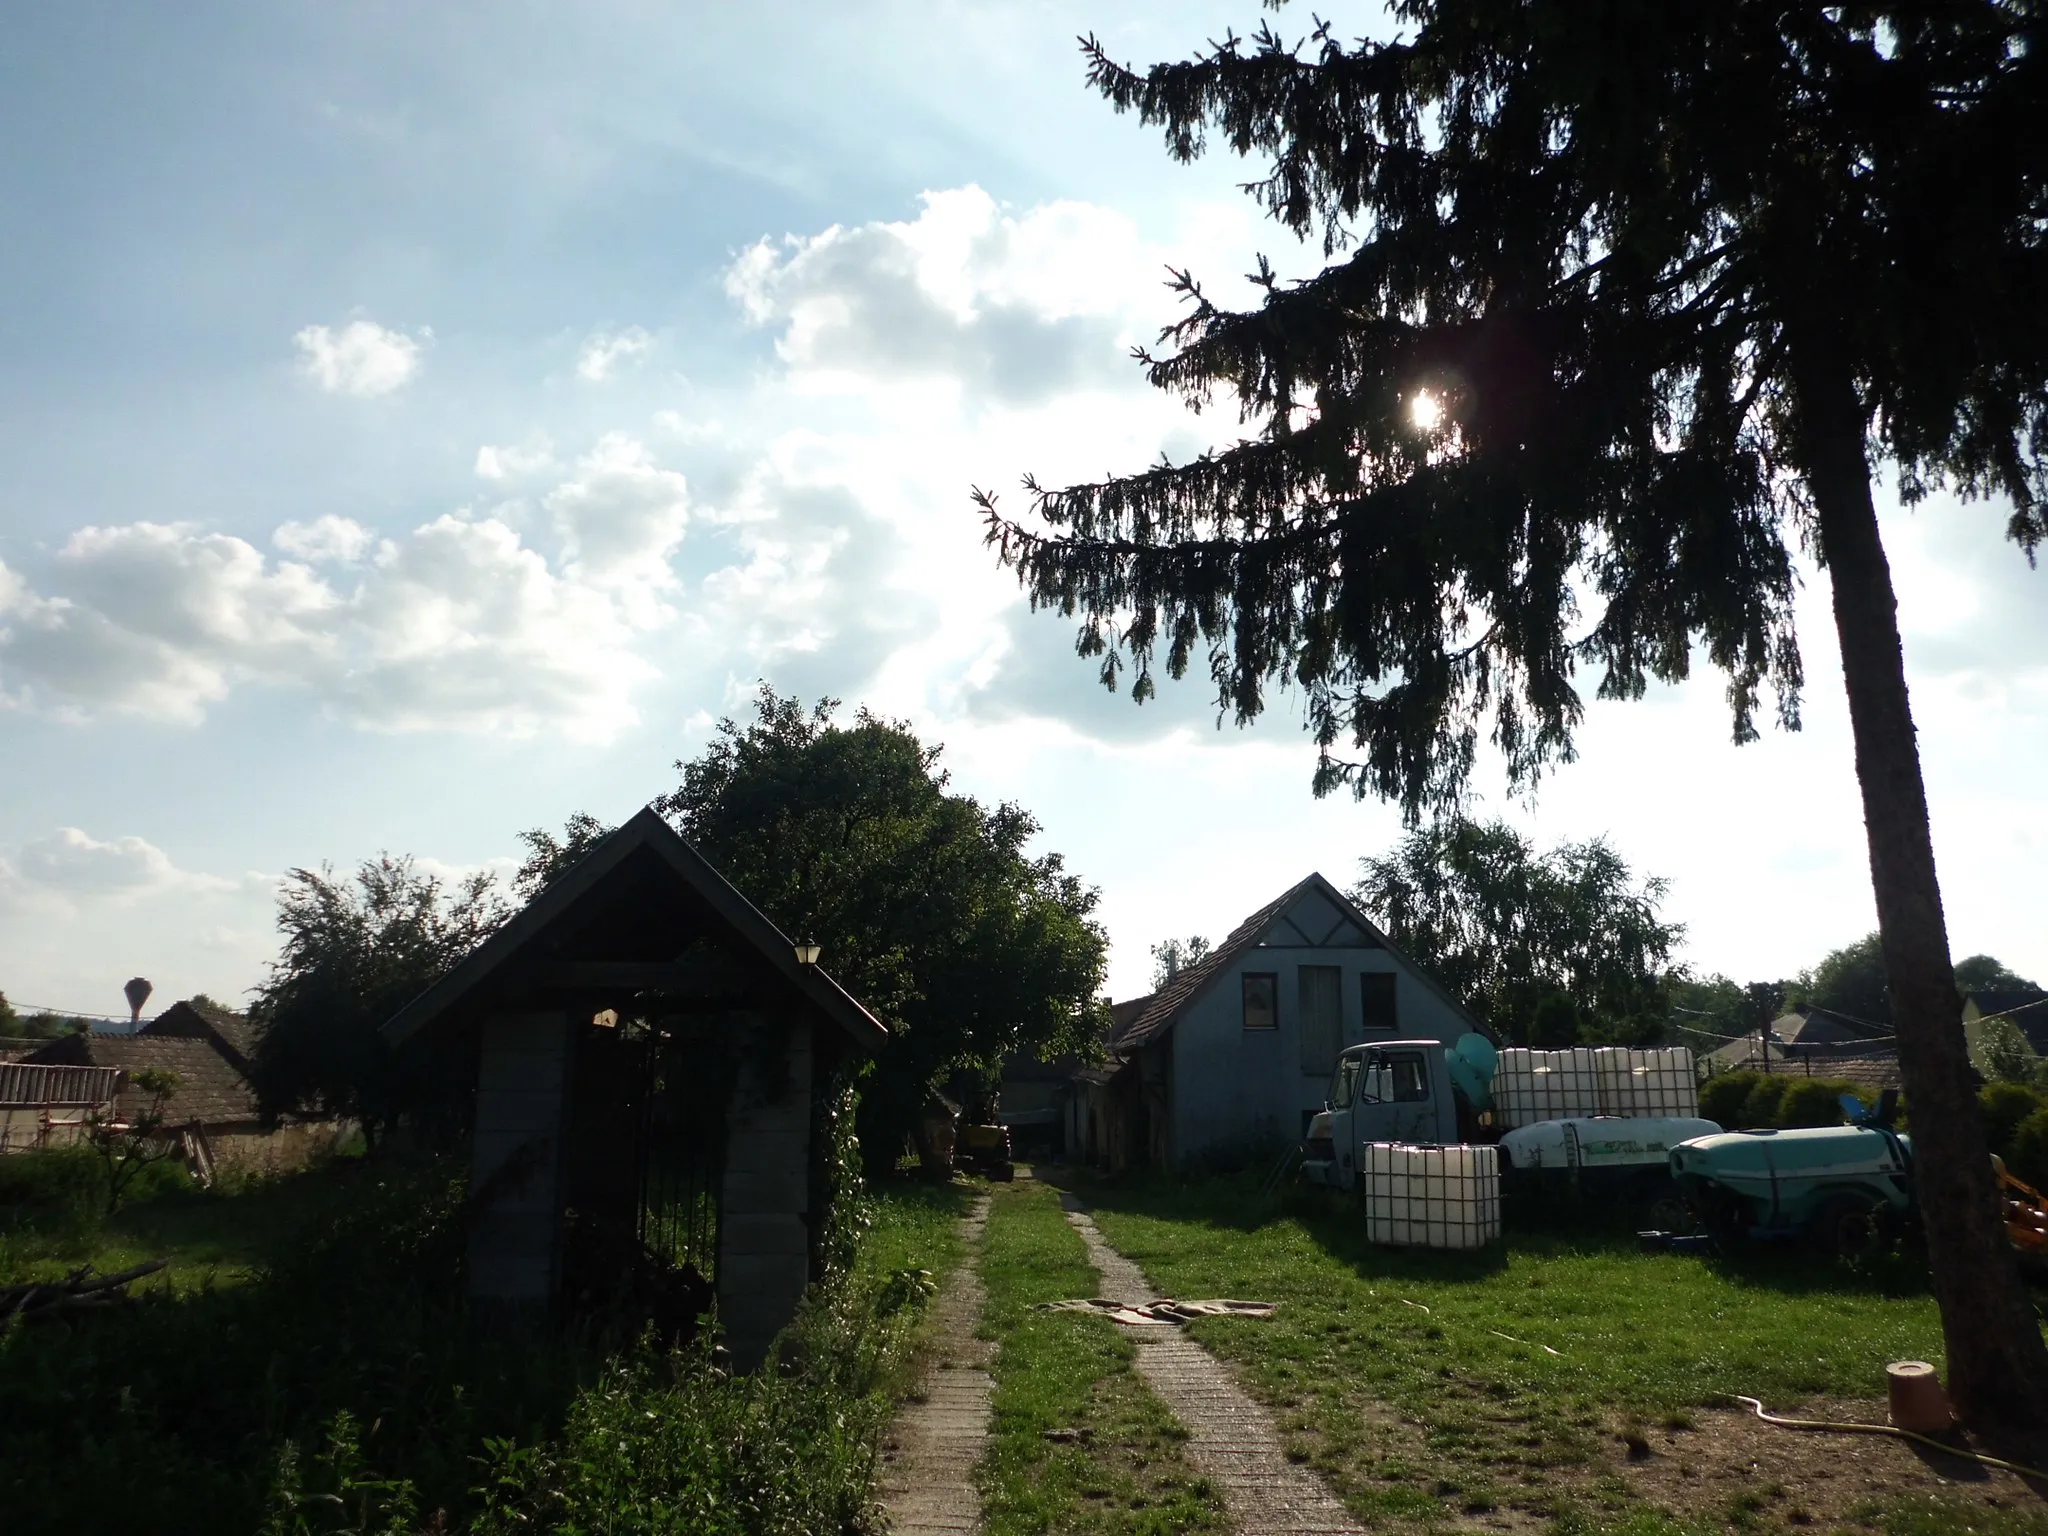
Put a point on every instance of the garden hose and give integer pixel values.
(1884, 1429)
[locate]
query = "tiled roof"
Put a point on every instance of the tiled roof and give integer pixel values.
(210, 1091)
(197, 1020)
(1164, 1006)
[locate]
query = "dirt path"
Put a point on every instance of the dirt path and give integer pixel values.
(1231, 1438)
(929, 1456)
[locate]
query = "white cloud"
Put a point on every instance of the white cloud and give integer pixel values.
(325, 539)
(362, 358)
(605, 350)
(1020, 307)
(497, 462)
(458, 625)
(72, 863)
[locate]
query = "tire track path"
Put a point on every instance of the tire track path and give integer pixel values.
(931, 1450)
(1231, 1438)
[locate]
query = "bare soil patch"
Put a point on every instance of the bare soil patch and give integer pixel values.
(1733, 1464)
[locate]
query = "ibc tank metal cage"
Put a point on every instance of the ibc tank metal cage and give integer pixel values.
(1587, 1081)
(1430, 1197)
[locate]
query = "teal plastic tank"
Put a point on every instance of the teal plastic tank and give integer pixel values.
(1810, 1180)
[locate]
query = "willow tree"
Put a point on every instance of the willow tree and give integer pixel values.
(1620, 305)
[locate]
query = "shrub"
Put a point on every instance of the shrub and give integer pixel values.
(1814, 1101)
(2028, 1159)
(59, 1183)
(2005, 1107)
(1722, 1097)
(1760, 1108)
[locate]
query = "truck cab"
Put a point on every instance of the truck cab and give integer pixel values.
(1392, 1090)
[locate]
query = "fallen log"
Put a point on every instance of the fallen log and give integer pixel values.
(81, 1288)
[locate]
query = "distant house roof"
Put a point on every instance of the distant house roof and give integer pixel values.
(1163, 1007)
(1813, 1025)
(616, 892)
(2026, 1010)
(211, 1089)
(199, 1019)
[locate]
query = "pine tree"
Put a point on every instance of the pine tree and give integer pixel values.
(1623, 302)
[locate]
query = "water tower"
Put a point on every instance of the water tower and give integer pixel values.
(138, 990)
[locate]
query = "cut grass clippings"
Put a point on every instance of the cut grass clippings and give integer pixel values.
(1421, 1386)
(1077, 1443)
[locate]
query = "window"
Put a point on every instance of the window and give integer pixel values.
(1400, 1079)
(1322, 1018)
(1261, 1000)
(1376, 991)
(1345, 1081)
(1411, 1084)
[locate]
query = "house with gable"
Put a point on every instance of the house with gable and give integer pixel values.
(1235, 1053)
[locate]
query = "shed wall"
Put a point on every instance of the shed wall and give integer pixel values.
(764, 1234)
(515, 1160)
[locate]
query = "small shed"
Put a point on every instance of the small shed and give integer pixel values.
(654, 1064)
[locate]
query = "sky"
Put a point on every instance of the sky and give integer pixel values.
(423, 424)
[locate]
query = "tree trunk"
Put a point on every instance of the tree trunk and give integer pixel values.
(1997, 1362)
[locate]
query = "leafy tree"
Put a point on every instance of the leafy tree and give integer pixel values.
(1624, 302)
(1708, 1013)
(10, 1021)
(1505, 928)
(547, 855)
(1850, 981)
(1983, 973)
(2005, 1055)
(356, 951)
(126, 1146)
(925, 903)
(1172, 956)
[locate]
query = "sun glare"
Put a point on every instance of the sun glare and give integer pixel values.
(1426, 411)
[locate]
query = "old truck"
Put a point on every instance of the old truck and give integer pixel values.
(1421, 1091)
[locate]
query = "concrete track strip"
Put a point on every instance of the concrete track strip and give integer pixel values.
(931, 1450)
(1231, 1438)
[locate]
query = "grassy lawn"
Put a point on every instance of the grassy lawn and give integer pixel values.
(312, 1369)
(1076, 1441)
(211, 1238)
(1513, 1386)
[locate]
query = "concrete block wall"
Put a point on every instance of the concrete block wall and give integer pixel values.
(516, 1158)
(763, 1240)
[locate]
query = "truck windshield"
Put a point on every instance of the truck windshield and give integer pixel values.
(1399, 1079)
(1344, 1082)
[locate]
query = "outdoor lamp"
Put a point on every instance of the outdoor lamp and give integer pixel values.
(807, 954)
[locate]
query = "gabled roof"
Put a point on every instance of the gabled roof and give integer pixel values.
(193, 1020)
(581, 886)
(1811, 1024)
(1170, 1001)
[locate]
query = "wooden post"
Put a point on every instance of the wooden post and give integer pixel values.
(515, 1165)
(763, 1239)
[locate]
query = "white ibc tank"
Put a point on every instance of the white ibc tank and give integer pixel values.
(1533, 1086)
(1430, 1197)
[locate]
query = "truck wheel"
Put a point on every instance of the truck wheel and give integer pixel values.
(1851, 1228)
(1668, 1212)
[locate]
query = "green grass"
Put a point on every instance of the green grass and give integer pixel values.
(1419, 1383)
(315, 1371)
(212, 1238)
(1076, 1441)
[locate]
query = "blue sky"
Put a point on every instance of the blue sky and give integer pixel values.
(422, 424)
